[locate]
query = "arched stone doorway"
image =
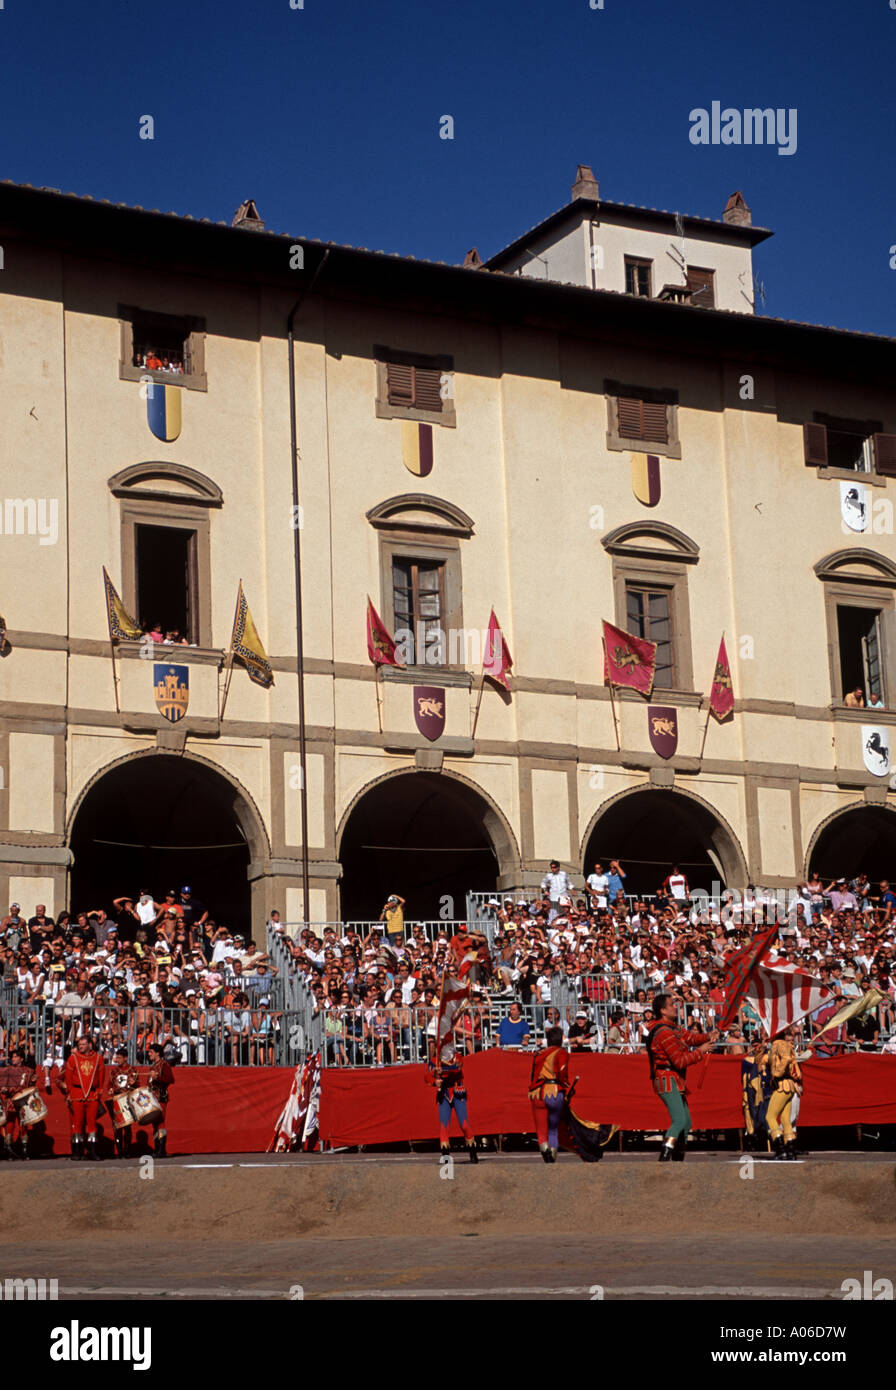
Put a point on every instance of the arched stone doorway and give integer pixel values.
(426, 836)
(157, 822)
(858, 837)
(651, 829)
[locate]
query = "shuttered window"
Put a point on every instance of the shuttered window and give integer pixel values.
(639, 419)
(701, 283)
(854, 447)
(417, 388)
(884, 453)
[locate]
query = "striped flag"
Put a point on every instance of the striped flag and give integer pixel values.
(783, 994)
(464, 954)
(739, 967)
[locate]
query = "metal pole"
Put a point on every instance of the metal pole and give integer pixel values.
(297, 559)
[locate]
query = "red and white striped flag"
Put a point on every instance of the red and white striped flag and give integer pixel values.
(463, 954)
(783, 994)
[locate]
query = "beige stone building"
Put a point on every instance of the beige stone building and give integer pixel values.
(469, 438)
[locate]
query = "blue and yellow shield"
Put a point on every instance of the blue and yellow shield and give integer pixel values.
(171, 686)
(163, 411)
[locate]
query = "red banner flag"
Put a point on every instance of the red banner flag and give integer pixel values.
(721, 697)
(740, 967)
(628, 660)
(380, 646)
(496, 659)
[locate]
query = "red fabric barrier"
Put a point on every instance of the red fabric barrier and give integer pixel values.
(378, 1107)
(212, 1110)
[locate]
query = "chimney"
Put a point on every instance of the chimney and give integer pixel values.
(473, 260)
(736, 211)
(585, 185)
(247, 217)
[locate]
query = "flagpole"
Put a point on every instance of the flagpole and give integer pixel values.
(114, 674)
(478, 703)
(227, 681)
(612, 701)
(379, 706)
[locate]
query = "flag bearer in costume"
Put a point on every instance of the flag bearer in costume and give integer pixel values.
(83, 1084)
(161, 1077)
(783, 1070)
(123, 1078)
(14, 1078)
(467, 960)
(753, 1098)
(548, 1085)
(671, 1050)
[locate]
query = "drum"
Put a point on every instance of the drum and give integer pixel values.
(144, 1105)
(29, 1106)
(119, 1105)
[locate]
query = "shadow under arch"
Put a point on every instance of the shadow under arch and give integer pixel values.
(853, 838)
(157, 821)
(427, 836)
(650, 829)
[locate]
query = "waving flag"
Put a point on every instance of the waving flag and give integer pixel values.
(380, 646)
(856, 1008)
(739, 967)
(628, 660)
(783, 994)
(721, 696)
(245, 644)
(496, 659)
(465, 960)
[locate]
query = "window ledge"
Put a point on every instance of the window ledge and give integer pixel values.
(683, 698)
(191, 382)
(191, 656)
(852, 475)
(862, 716)
(428, 675)
(447, 417)
(643, 446)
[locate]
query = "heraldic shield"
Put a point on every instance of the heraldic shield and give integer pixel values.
(662, 725)
(876, 749)
(429, 711)
(171, 687)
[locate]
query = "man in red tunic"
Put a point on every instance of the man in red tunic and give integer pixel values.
(671, 1050)
(548, 1085)
(14, 1078)
(83, 1084)
(161, 1077)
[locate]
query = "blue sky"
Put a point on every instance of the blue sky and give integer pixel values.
(329, 117)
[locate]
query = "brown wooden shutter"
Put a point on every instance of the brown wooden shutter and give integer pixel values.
(702, 287)
(427, 388)
(630, 417)
(655, 422)
(815, 445)
(884, 446)
(400, 383)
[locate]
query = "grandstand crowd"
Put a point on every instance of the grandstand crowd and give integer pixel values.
(591, 962)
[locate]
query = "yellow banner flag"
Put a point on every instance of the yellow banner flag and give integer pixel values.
(856, 1008)
(121, 625)
(246, 646)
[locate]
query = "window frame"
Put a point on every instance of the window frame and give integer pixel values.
(857, 593)
(669, 573)
(653, 395)
(710, 284)
(196, 519)
(385, 410)
(418, 547)
(636, 262)
(869, 429)
(196, 380)
(633, 586)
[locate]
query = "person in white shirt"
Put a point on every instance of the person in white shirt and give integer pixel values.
(145, 908)
(556, 884)
(677, 884)
(598, 883)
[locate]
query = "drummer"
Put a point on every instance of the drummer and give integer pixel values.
(161, 1077)
(122, 1078)
(14, 1077)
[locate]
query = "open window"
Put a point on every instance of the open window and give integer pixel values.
(702, 284)
(859, 587)
(168, 347)
(859, 633)
(848, 446)
(638, 276)
(166, 581)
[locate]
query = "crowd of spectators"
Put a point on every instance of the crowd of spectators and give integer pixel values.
(155, 971)
(592, 962)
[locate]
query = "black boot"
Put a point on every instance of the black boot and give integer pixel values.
(10, 1148)
(157, 1146)
(678, 1152)
(77, 1147)
(92, 1151)
(666, 1153)
(778, 1143)
(25, 1150)
(474, 1157)
(790, 1149)
(547, 1154)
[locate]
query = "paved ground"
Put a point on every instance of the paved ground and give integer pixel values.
(473, 1265)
